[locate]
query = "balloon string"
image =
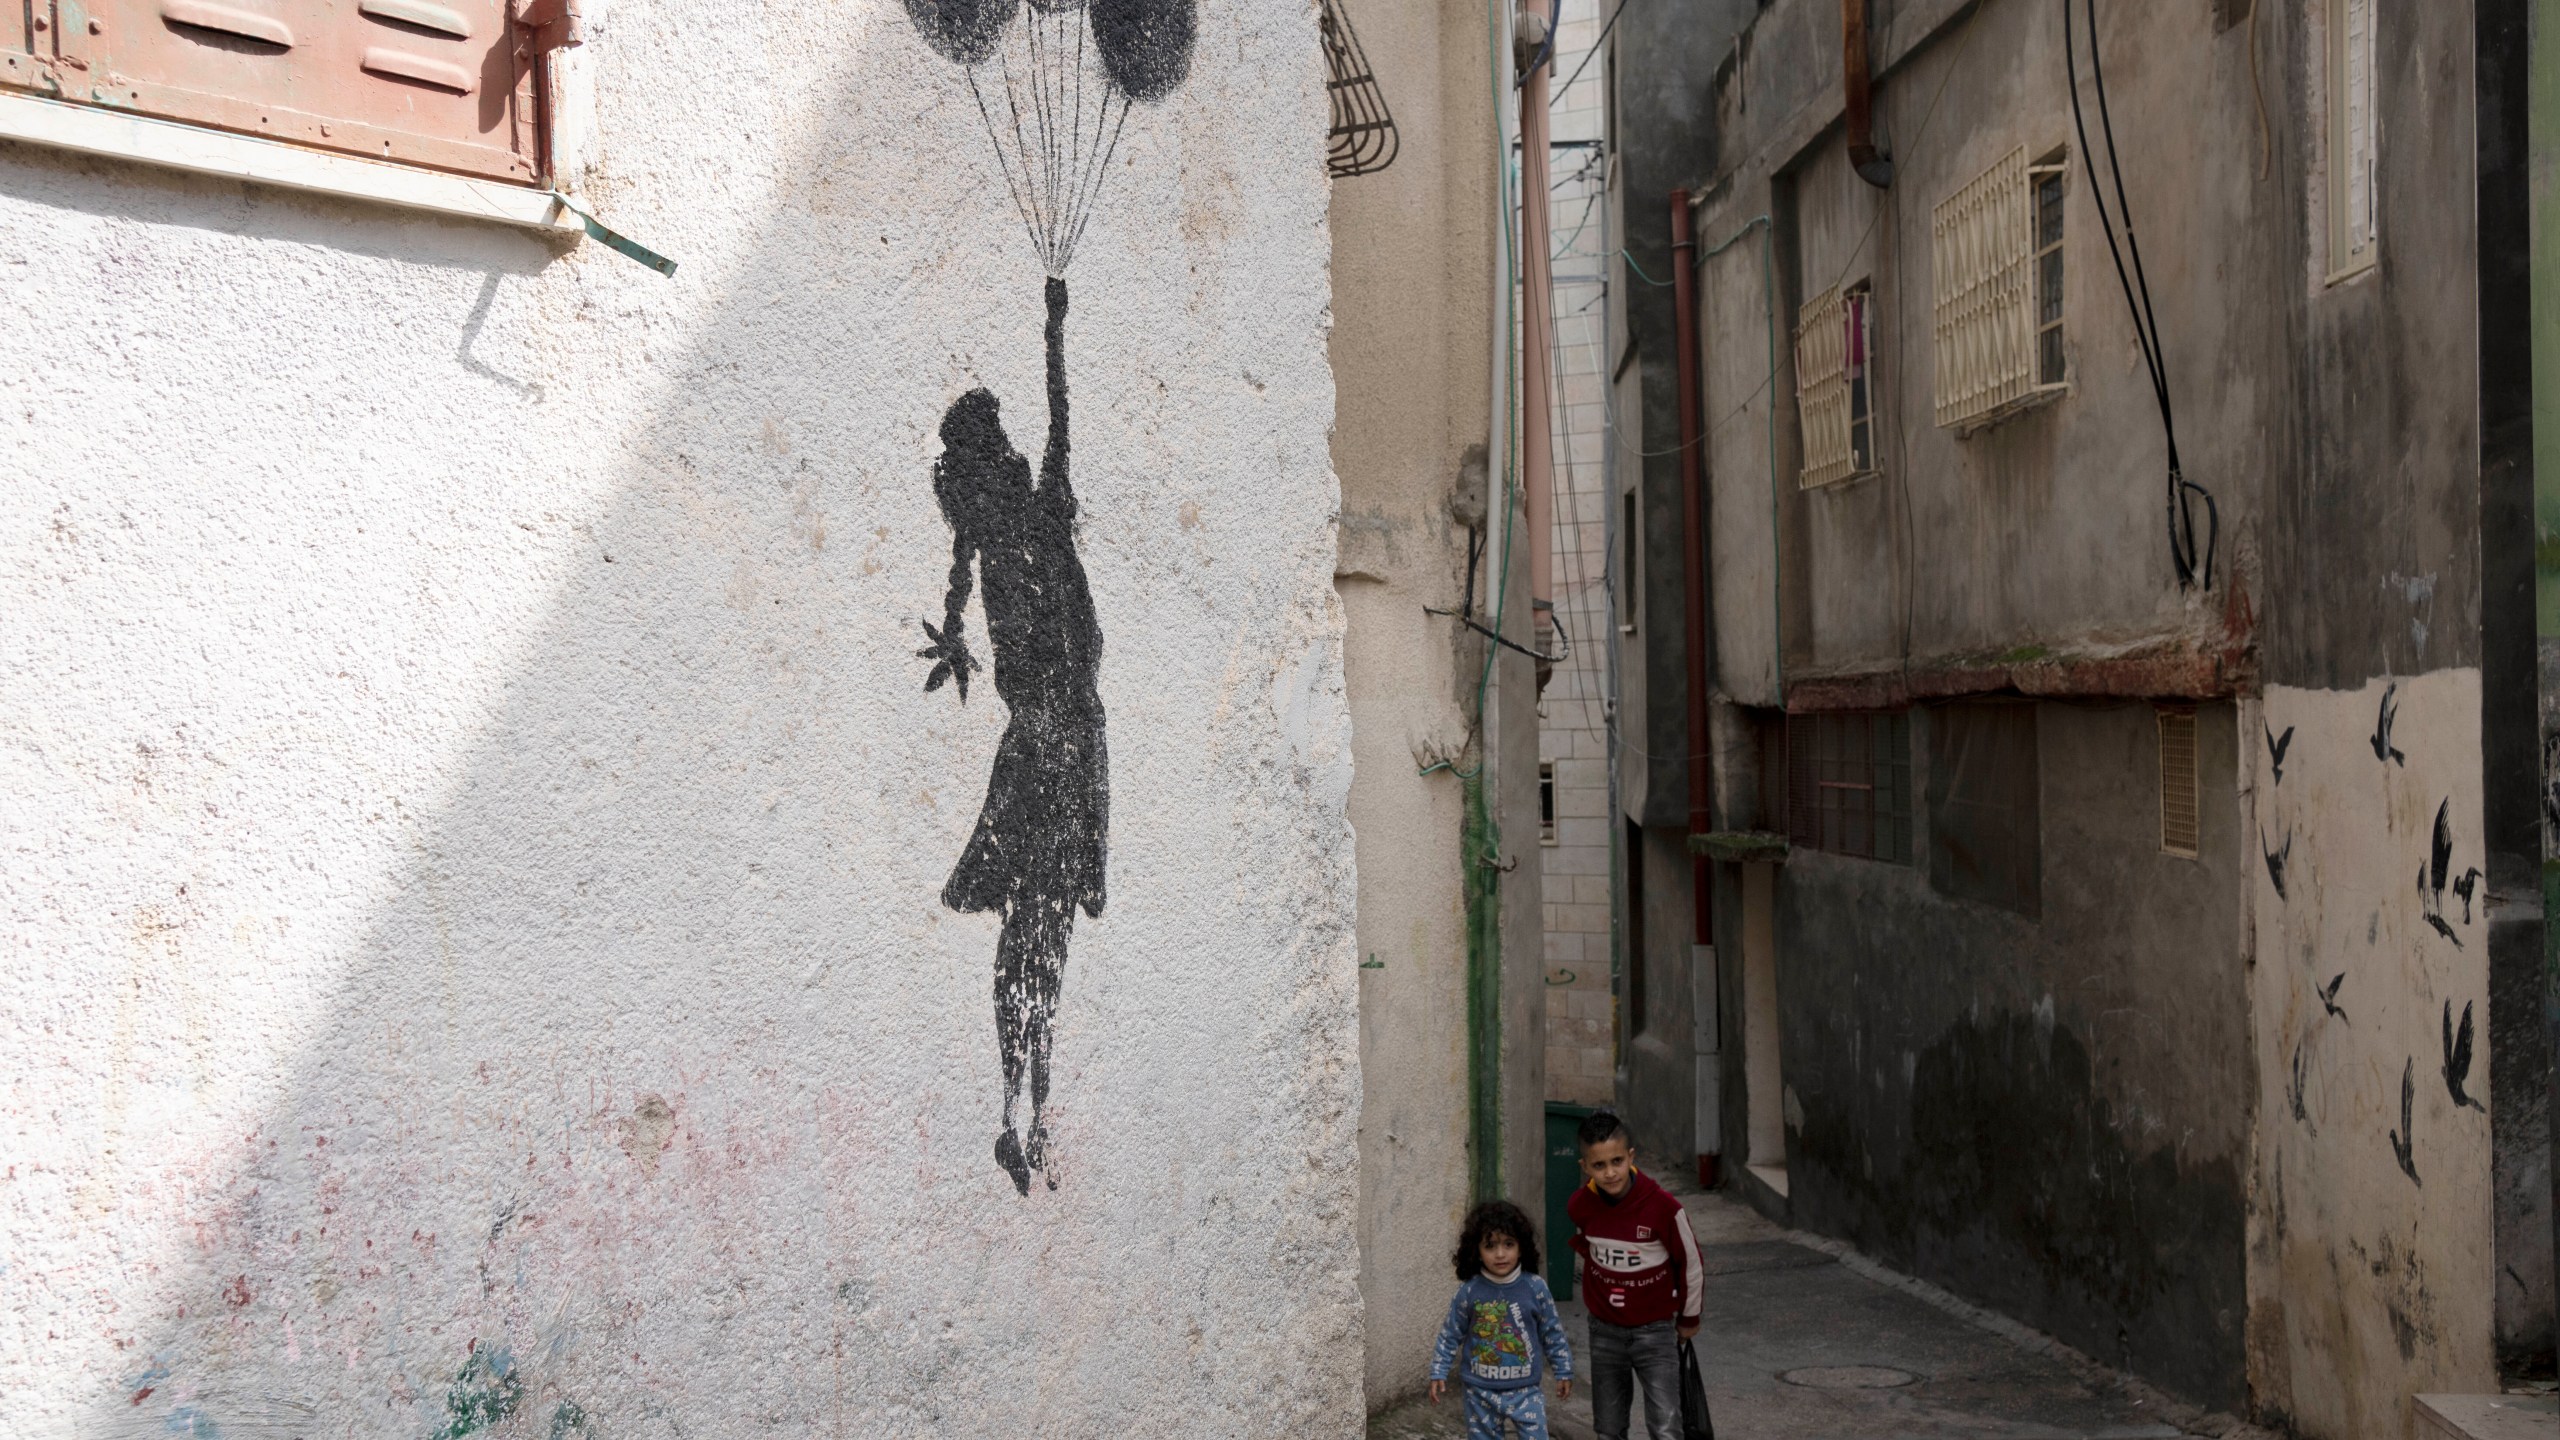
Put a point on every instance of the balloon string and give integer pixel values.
(1023, 148)
(995, 142)
(1101, 172)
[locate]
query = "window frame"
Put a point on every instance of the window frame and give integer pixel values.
(2050, 280)
(2341, 132)
(1849, 784)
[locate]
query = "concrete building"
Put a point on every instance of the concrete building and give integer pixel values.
(1574, 715)
(2065, 947)
(1444, 725)
(490, 941)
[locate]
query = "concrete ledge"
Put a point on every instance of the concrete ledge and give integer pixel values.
(2488, 1417)
(95, 130)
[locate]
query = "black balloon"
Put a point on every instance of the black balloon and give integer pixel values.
(965, 31)
(1145, 44)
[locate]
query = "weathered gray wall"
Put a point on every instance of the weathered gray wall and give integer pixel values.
(2049, 1116)
(2341, 428)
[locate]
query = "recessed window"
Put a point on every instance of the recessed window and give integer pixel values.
(1546, 802)
(1630, 598)
(2352, 135)
(2180, 809)
(2048, 181)
(1849, 783)
(1986, 833)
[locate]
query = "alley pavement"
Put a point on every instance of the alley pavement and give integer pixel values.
(1805, 1340)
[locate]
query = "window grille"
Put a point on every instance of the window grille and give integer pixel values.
(2180, 817)
(1986, 302)
(1833, 342)
(1363, 140)
(1849, 783)
(2352, 151)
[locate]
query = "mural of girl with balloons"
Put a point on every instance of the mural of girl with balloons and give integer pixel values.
(1054, 82)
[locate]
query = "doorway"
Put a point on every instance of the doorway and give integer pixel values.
(1763, 1080)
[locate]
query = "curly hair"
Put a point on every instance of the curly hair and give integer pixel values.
(1495, 1217)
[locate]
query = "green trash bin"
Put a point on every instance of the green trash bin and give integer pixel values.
(1564, 1176)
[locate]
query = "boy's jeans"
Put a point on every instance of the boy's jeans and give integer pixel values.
(1621, 1357)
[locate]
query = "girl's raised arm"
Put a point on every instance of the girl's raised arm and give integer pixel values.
(1053, 467)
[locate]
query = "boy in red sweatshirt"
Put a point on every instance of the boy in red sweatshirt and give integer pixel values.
(1641, 1278)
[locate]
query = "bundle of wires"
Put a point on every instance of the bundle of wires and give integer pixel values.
(2194, 565)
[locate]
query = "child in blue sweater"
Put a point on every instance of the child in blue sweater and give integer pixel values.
(1505, 1321)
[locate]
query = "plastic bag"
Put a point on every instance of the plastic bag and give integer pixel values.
(1695, 1422)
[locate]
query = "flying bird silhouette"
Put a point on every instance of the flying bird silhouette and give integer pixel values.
(2329, 996)
(2382, 747)
(2277, 860)
(2402, 1137)
(2466, 887)
(2457, 1057)
(2293, 1091)
(2431, 876)
(2276, 746)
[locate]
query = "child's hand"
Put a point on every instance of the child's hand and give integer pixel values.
(951, 658)
(1688, 1329)
(1436, 1387)
(1564, 1389)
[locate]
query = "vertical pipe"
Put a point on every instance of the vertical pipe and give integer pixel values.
(1857, 97)
(1693, 541)
(2543, 143)
(1537, 339)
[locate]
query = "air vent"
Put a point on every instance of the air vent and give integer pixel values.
(2178, 803)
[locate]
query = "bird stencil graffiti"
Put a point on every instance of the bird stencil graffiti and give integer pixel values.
(2276, 746)
(1054, 82)
(2383, 749)
(2403, 1144)
(2457, 1059)
(2431, 876)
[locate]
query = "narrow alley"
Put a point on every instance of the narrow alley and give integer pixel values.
(1806, 1340)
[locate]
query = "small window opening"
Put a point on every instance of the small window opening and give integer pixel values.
(1859, 324)
(1546, 802)
(1628, 596)
(2180, 806)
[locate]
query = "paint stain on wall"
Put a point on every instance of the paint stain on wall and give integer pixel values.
(647, 1131)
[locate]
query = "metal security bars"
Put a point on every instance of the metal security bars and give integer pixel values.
(1849, 783)
(1832, 395)
(1983, 245)
(1363, 139)
(2180, 810)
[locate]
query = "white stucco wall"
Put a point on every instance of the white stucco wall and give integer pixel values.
(474, 827)
(2371, 1282)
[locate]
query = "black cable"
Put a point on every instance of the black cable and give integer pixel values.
(2146, 322)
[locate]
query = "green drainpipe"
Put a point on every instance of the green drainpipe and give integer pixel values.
(1484, 993)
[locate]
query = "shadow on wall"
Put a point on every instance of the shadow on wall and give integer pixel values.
(653, 1091)
(2014, 1157)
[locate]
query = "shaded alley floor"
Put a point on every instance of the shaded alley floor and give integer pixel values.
(1806, 1341)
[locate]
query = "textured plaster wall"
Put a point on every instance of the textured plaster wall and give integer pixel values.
(2373, 1247)
(1411, 346)
(475, 825)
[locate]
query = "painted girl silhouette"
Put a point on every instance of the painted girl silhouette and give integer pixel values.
(1039, 848)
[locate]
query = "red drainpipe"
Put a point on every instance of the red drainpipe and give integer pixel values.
(1693, 538)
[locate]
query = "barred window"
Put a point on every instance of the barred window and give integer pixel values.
(1834, 343)
(1849, 783)
(1994, 245)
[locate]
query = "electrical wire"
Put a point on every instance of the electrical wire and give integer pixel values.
(1587, 54)
(2193, 570)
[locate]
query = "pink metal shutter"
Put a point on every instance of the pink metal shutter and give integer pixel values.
(439, 83)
